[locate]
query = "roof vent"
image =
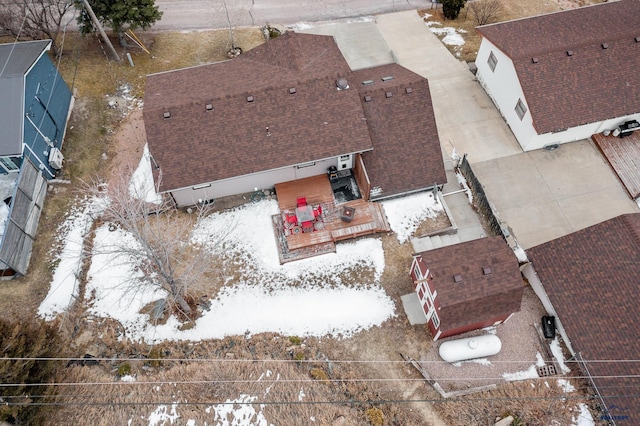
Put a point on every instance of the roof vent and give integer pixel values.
(457, 278)
(368, 82)
(342, 83)
(408, 90)
(604, 45)
(534, 60)
(208, 107)
(367, 98)
(292, 91)
(486, 270)
(250, 99)
(569, 52)
(387, 78)
(637, 39)
(166, 114)
(388, 94)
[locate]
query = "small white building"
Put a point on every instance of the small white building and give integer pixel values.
(564, 76)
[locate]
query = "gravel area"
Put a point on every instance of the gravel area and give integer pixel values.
(520, 348)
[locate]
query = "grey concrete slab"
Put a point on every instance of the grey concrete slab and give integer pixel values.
(542, 195)
(412, 308)
(360, 42)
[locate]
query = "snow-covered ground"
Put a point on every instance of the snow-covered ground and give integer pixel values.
(286, 299)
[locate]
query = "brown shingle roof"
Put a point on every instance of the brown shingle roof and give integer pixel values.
(592, 84)
(406, 152)
(197, 145)
(215, 133)
(477, 297)
(591, 277)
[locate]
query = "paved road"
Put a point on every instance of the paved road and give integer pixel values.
(209, 14)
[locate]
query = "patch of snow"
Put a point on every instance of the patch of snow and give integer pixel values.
(530, 373)
(239, 411)
(455, 157)
(539, 360)
(64, 284)
(405, 214)
(584, 417)
(301, 395)
(462, 181)
(161, 415)
(128, 378)
(142, 185)
(7, 191)
(450, 35)
(300, 26)
(556, 350)
(566, 386)
(520, 254)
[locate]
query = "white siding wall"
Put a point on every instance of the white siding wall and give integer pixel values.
(248, 183)
(503, 87)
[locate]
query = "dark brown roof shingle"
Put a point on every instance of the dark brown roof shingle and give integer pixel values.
(477, 297)
(406, 154)
(278, 105)
(592, 279)
(592, 84)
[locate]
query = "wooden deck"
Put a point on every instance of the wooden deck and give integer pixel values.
(369, 218)
(623, 155)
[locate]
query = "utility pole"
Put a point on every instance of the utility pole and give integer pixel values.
(96, 23)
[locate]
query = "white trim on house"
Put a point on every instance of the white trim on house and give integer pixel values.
(535, 283)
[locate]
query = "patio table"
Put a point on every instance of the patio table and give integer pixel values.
(305, 214)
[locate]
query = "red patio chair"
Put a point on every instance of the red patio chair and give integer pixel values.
(307, 226)
(302, 201)
(291, 218)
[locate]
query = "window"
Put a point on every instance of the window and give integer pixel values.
(521, 110)
(435, 320)
(417, 272)
(10, 164)
(492, 61)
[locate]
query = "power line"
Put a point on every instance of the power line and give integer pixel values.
(324, 402)
(305, 380)
(268, 360)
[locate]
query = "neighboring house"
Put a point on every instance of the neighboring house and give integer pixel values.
(35, 107)
(564, 76)
(290, 109)
(467, 286)
(589, 281)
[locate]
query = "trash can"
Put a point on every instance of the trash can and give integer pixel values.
(549, 326)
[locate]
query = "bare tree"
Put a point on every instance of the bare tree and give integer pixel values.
(163, 252)
(485, 11)
(35, 19)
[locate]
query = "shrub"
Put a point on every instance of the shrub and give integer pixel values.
(295, 340)
(375, 416)
(319, 374)
(124, 369)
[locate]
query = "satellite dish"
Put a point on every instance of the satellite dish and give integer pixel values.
(616, 131)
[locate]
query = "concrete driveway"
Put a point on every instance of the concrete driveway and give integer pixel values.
(539, 195)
